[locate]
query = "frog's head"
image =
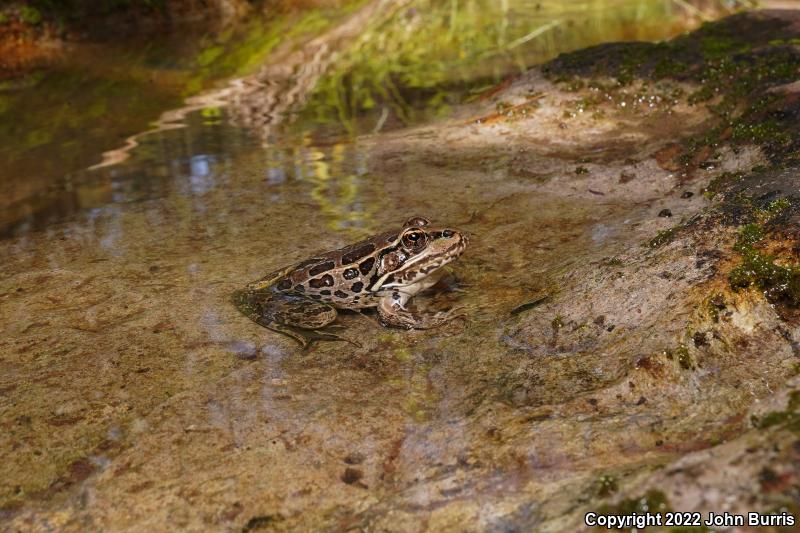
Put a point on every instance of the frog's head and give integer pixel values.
(418, 251)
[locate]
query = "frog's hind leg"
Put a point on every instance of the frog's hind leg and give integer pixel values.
(308, 323)
(294, 315)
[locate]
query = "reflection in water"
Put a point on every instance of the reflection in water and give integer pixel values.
(404, 63)
(339, 175)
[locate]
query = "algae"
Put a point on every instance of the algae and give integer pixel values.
(780, 283)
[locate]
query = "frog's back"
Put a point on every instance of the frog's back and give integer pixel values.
(339, 276)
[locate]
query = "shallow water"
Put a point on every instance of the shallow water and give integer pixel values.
(118, 338)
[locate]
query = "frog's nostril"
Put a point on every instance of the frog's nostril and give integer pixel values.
(447, 233)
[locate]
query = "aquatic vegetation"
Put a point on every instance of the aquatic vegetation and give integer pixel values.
(653, 501)
(607, 485)
(734, 63)
(779, 282)
(748, 236)
(668, 235)
(721, 182)
(684, 357)
(788, 419)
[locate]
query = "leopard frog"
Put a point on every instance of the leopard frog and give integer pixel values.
(383, 272)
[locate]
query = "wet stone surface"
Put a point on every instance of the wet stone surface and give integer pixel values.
(607, 354)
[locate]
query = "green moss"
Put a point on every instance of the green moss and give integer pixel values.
(748, 236)
(581, 170)
(663, 237)
(557, 322)
(781, 284)
(721, 182)
(606, 485)
(653, 501)
(773, 210)
(714, 305)
(29, 15)
(734, 62)
(788, 419)
(684, 357)
(775, 418)
(758, 132)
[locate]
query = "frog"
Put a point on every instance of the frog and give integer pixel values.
(383, 272)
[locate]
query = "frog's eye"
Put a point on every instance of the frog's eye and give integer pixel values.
(414, 239)
(419, 222)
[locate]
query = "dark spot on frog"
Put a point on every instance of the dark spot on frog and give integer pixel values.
(367, 265)
(395, 295)
(285, 284)
(665, 213)
(358, 253)
(641, 401)
(340, 294)
(326, 292)
(299, 288)
(324, 281)
(316, 296)
(350, 273)
(357, 286)
(392, 238)
(320, 268)
(352, 476)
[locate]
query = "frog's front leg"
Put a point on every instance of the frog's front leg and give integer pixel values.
(393, 313)
(294, 315)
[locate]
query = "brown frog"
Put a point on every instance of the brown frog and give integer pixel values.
(384, 272)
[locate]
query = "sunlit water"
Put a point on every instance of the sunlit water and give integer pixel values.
(115, 280)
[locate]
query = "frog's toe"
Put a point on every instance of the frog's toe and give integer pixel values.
(318, 335)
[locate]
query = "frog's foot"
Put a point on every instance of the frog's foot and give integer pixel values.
(395, 315)
(308, 336)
